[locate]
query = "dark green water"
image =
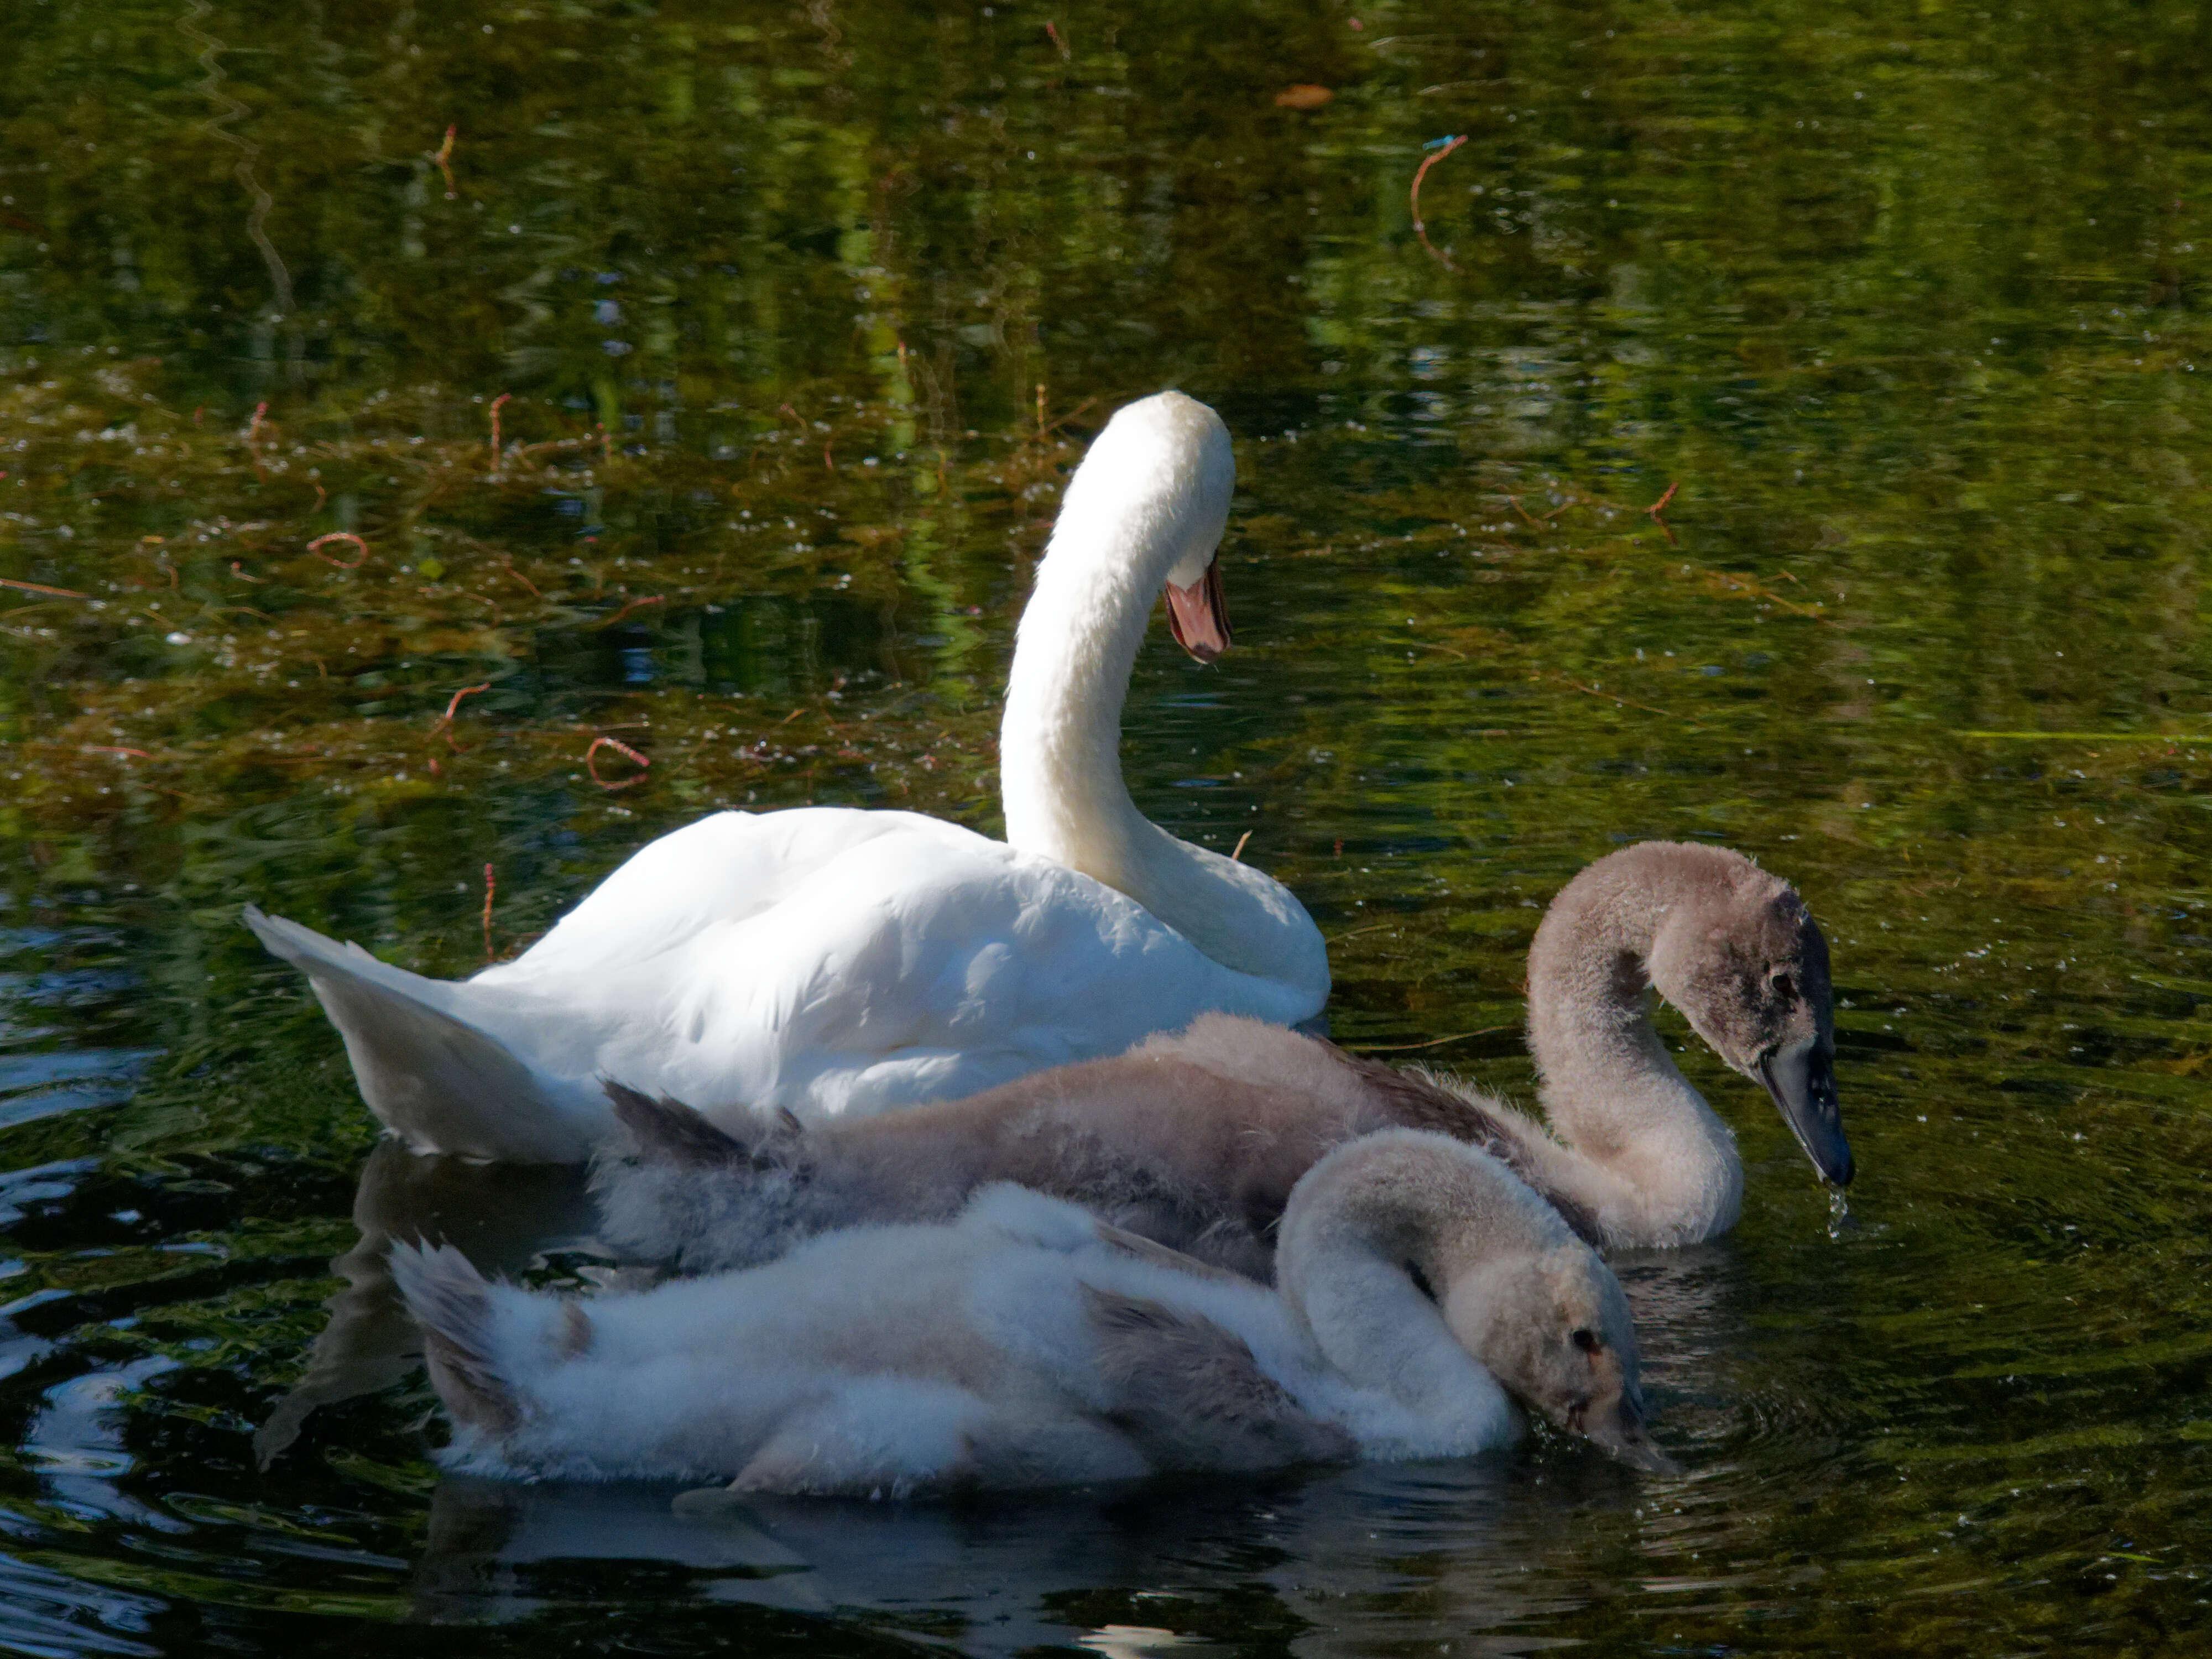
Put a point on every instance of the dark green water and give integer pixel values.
(1908, 300)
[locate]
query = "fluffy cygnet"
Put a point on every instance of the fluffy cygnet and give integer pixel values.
(1195, 1139)
(1027, 1344)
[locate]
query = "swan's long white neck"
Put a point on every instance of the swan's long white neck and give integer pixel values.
(1147, 507)
(1060, 742)
(1656, 1162)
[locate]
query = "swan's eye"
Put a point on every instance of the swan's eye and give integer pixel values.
(1784, 987)
(1585, 1339)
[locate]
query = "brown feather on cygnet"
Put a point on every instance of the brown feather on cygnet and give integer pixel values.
(1196, 1140)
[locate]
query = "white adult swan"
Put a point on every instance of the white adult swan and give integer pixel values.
(1194, 1139)
(834, 961)
(1027, 1344)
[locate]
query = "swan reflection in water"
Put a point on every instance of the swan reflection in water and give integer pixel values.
(1344, 1556)
(1164, 1561)
(507, 1218)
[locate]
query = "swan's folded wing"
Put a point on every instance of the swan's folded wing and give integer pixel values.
(1161, 1255)
(720, 871)
(922, 966)
(1191, 1395)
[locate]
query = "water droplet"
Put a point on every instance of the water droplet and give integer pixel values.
(1840, 1219)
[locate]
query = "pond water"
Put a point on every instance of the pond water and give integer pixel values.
(804, 312)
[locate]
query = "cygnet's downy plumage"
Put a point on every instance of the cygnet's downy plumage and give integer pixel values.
(1195, 1139)
(1192, 1140)
(1027, 1344)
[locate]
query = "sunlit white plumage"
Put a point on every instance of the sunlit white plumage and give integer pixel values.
(835, 961)
(1027, 1344)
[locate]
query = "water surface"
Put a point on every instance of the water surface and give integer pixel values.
(800, 315)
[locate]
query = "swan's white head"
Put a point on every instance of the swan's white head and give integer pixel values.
(1147, 509)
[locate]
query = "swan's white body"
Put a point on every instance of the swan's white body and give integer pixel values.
(1025, 1344)
(832, 961)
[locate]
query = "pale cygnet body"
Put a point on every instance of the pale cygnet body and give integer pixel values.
(1196, 1140)
(1027, 1344)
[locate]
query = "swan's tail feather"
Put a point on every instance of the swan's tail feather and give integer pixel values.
(450, 1301)
(435, 1080)
(669, 1131)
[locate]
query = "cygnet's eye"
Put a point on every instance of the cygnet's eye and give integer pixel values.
(1585, 1339)
(1785, 988)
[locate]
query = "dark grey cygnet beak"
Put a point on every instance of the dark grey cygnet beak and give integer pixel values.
(1801, 1078)
(1620, 1430)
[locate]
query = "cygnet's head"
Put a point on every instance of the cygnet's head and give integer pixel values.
(1554, 1328)
(1165, 462)
(1742, 958)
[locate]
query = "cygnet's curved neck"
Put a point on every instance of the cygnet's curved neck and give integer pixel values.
(1360, 1262)
(1147, 507)
(1657, 1164)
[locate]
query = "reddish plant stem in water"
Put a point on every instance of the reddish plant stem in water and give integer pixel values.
(1433, 1042)
(491, 886)
(316, 547)
(495, 402)
(445, 720)
(591, 761)
(1414, 196)
(41, 587)
(1071, 415)
(253, 439)
(1624, 702)
(634, 604)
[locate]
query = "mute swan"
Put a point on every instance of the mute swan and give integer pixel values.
(835, 961)
(1194, 1139)
(1027, 1344)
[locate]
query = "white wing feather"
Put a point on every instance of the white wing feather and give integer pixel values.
(822, 960)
